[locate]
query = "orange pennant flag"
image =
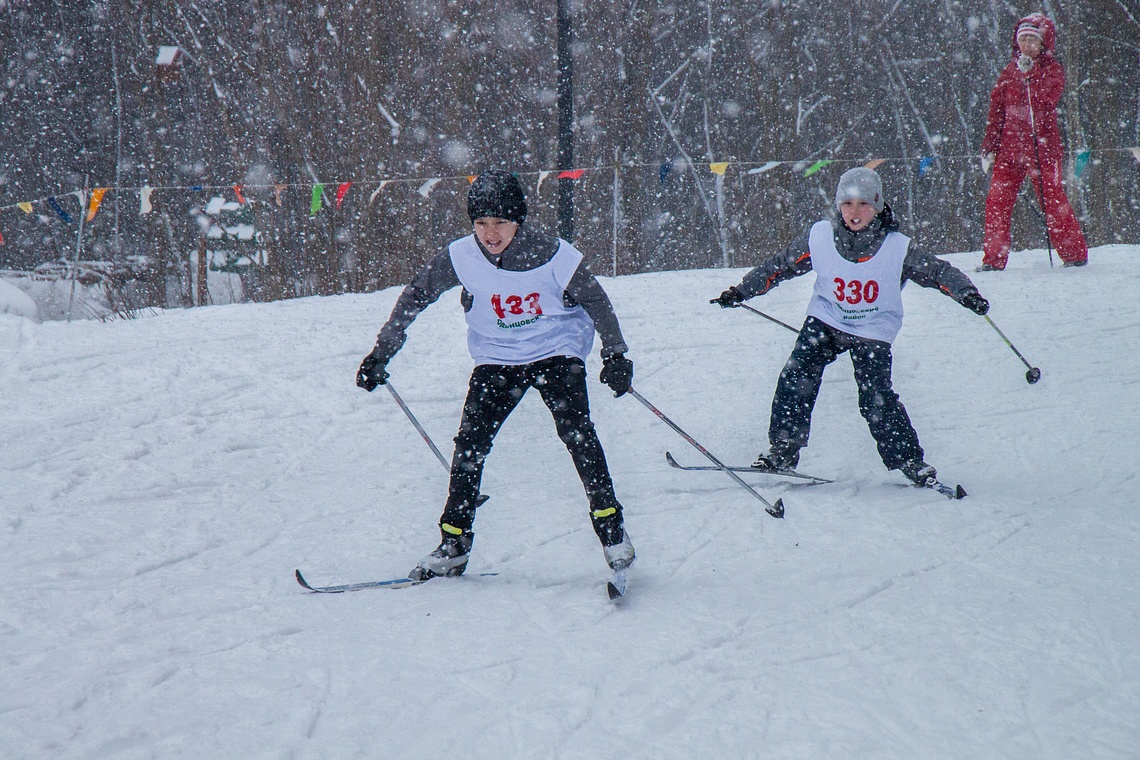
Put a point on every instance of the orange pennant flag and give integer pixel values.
(240, 197)
(96, 199)
(341, 191)
(874, 164)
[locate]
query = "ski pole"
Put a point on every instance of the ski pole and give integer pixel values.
(776, 510)
(1034, 373)
(427, 438)
(770, 319)
(419, 427)
(1040, 181)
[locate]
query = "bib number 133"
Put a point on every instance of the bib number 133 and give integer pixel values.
(856, 291)
(515, 305)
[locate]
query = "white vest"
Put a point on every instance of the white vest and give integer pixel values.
(863, 299)
(519, 317)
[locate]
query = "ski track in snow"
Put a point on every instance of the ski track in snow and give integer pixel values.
(163, 477)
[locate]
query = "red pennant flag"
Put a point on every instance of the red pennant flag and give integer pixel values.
(237, 192)
(575, 174)
(341, 191)
(1, 239)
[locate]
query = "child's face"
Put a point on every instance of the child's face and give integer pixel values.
(495, 234)
(1030, 45)
(857, 214)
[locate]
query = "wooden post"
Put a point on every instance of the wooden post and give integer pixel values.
(203, 288)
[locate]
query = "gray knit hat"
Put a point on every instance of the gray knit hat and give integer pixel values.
(860, 184)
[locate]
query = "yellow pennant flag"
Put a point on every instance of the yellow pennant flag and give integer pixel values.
(25, 207)
(96, 199)
(719, 167)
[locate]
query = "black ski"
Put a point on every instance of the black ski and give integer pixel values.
(711, 468)
(950, 492)
(340, 589)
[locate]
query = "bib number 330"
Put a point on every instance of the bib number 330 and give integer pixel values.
(856, 291)
(515, 305)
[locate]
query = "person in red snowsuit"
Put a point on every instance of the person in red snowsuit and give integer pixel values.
(1023, 139)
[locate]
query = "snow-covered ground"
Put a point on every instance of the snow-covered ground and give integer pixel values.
(162, 477)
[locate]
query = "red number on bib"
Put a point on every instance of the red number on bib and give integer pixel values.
(515, 305)
(855, 291)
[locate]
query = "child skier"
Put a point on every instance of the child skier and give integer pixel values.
(532, 307)
(861, 262)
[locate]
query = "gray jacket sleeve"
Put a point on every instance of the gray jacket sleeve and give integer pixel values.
(425, 289)
(927, 270)
(585, 289)
(793, 261)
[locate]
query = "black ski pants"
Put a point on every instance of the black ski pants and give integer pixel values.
(493, 393)
(819, 345)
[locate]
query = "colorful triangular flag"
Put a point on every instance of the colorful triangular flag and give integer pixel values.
(25, 207)
(426, 188)
(240, 197)
(817, 166)
(719, 167)
(571, 174)
(144, 200)
(925, 163)
(318, 196)
(1082, 162)
(663, 172)
(341, 191)
(59, 210)
(377, 190)
(874, 163)
(96, 199)
(766, 167)
(277, 190)
(541, 176)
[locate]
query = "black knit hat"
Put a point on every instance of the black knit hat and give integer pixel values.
(496, 193)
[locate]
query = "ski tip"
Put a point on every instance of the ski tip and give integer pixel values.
(614, 592)
(672, 462)
(301, 579)
(959, 492)
(777, 509)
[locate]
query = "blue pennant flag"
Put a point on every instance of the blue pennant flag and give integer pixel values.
(663, 172)
(59, 210)
(925, 164)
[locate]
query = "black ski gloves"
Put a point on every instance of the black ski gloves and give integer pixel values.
(729, 299)
(617, 372)
(371, 373)
(975, 303)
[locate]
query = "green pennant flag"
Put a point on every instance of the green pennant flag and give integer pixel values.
(318, 196)
(816, 167)
(1082, 162)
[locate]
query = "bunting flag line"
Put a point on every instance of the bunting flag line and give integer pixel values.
(144, 200)
(59, 209)
(427, 187)
(925, 163)
(377, 191)
(96, 199)
(341, 191)
(25, 207)
(766, 167)
(318, 196)
(816, 167)
(719, 168)
(571, 174)
(240, 197)
(874, 163)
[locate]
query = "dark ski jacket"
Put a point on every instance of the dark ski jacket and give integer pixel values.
(529, 249)
(919, 266)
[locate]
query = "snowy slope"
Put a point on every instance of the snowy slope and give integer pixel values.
(161, 478)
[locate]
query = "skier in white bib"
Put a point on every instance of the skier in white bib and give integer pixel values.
(861, 262)
(532, 307)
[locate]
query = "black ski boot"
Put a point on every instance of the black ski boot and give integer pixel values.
(920, 473)
(449, 558)
(780, 456)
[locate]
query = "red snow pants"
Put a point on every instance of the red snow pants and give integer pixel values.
(1064, 230)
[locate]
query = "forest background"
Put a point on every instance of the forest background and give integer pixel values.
(680, 112)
